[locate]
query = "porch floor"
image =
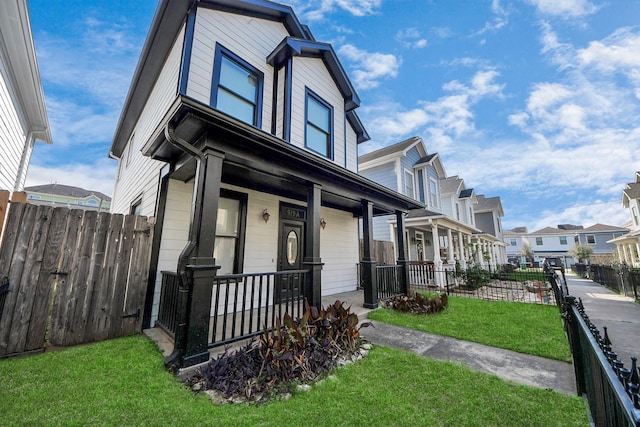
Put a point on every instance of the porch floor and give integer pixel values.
(352, 299)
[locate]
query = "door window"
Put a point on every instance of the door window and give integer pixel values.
(292, 248)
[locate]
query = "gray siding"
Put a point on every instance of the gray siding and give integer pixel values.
(484, 221)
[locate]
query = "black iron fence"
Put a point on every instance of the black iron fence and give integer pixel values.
(530, 286)
(619, 278)
(613, 391)
(4, 290)
(242, 305)
(388, 281)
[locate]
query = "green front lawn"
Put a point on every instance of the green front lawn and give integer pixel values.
(123, 383)
(525, 328)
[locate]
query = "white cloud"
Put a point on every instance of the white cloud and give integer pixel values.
(411, 38)
(565, 9)
(445, 120)
(317, 10)
(370, 67)
(98, 176)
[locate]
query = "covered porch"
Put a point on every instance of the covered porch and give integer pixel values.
(207, 152)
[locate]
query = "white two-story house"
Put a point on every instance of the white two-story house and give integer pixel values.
(239, 134)
(23, 115)
(628, 245)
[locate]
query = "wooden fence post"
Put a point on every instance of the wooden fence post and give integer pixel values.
(4, 204)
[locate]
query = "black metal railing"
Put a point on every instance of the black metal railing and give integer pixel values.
(168, 307)
(242, 305)
(388, 278)
(613, 391)
(618, 278)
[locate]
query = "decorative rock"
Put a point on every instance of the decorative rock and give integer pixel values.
(303, 387)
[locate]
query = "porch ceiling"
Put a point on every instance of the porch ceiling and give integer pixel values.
(257, 160)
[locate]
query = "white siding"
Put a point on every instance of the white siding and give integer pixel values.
(249, 38)
(312, 73)
(280, 103)
(139, 175)
(13, 138)
(340, 251)
(175, 232)
(352, 149)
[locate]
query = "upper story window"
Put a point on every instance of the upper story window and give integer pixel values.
(318, 133)
(563, 240)
(591, 239)
(512, 242)
(237, 87)
(634, 211)
(421, 186)
(408, 184)
(457, 211)
(434, 200)
(539, 241)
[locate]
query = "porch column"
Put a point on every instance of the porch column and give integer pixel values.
(403, 262)
(368, 262)
(196, 266)
(313, 284)
(450, 259)
(461, 253)
(438, 275)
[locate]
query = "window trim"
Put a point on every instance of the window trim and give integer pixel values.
(407, 173)
(539, 239)
(243, 198)
(310, 94)
(587, 239)
(434, 201)
(561, 238)
(222, 52)
(137, 202)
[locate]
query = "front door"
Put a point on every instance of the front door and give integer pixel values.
(290, 256)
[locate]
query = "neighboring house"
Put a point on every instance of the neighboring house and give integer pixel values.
(23, 115)
(558, 241)
(628, 245)
(445, 231)
(488, 218)
(69, 196)
(240, 135)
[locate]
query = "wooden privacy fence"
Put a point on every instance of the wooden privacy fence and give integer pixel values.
(74, 276)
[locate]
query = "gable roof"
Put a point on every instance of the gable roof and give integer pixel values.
(548, 230)
(450, 184)
(631, 192)
(291, 46)
(486, 204)
(66, 190)
(603, 228)
(397, 149)
(165, 26)
(466, 193)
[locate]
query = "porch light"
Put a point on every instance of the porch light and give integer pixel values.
(323, 223)
(265, 216)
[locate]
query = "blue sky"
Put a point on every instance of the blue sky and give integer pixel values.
(535, 101)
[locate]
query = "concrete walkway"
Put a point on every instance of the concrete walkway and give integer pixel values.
(521, 368)
(605, 308)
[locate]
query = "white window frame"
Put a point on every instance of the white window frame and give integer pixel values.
(409, 178)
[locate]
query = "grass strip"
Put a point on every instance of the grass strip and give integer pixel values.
(526, 328)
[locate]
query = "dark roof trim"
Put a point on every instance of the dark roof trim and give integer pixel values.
(358, 127)
(165, 26)
(264, 10)
(291, 46)
(169, 16)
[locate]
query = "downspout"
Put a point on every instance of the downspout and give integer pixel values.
(180, 339)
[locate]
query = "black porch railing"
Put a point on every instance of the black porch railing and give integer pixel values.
(613, 391)
(168, 308)
(242, 305)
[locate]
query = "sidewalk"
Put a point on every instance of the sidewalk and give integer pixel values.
(605, 308)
